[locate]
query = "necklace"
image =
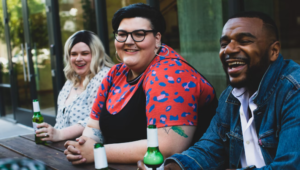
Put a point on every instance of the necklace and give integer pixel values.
(77, 94)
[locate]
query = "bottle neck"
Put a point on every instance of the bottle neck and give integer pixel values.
(36, 106)
(152, 139)
(37, 113)
(98, 145)
(152, 149)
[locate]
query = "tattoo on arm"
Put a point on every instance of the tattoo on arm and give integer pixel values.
(97, 133)
(94, 134)
(176, 129)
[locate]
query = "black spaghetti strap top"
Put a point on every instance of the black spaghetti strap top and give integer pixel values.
(129, 124)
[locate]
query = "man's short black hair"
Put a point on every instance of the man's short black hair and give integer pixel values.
(269, 23)
(140, 10)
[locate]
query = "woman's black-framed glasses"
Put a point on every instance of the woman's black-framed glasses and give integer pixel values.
(137, 35)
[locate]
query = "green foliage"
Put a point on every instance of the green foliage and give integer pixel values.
(89, 16)
(2, 38)
(16, 32)
(37, 23)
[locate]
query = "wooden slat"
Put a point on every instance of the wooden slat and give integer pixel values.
(29, 137)
(7, 153)
(55, 145)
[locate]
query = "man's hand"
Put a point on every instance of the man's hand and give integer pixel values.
(80, 151)
(141, 165)
(170, 166)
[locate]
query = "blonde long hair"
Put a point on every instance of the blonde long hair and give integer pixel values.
(99, 57)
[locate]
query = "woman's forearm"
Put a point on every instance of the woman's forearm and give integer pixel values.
(129, 152)
(70, 132)
(170, 142)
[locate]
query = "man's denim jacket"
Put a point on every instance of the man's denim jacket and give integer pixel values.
(277, 121)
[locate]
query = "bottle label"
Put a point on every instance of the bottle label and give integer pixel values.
(36, 107)
(100, 158)
(152, 140)
(161, 167)
(34, 124)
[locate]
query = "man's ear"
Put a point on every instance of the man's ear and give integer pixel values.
(274, 51)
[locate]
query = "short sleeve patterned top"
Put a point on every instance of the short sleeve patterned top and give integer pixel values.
(174, 91)
(78, 110)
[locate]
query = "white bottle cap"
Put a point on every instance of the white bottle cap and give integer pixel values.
(152, 139)
(100, 158)
(36, 106)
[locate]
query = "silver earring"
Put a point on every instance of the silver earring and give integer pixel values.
(163, 46)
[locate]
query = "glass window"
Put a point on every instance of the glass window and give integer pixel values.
(289, 28)
(41, 55)
(5, 96)
(19, 57)
(76, 15)
(170, 12)
(288, 23)
(4, 64)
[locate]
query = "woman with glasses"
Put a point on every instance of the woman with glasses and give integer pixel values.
(86, 65)
(152, 85)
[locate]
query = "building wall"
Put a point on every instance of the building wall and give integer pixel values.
(200, 27)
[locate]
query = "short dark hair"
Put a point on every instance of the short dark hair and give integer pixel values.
(155, 17)
(84, 36)
(269, 23)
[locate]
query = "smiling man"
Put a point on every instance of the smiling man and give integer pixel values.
(257, 123)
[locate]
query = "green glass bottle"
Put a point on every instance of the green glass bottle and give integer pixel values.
(100, 157)
(36, 119)
(153, 158)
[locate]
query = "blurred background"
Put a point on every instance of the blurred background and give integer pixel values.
(33, 32)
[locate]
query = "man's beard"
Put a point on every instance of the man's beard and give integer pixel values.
(239, 84)
(254, 75)
(252, 80)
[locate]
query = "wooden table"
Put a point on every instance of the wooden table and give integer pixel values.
(51, 153)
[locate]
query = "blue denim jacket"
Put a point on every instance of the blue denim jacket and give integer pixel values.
(277, 121)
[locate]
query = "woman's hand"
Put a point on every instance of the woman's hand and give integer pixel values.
(81, 151)
(48, 133)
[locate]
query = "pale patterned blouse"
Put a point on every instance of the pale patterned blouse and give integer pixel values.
(78, 111)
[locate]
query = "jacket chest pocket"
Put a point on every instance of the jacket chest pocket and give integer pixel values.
(269, 142)
(224, 133)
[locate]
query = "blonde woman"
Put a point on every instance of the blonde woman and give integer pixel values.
(86, 65)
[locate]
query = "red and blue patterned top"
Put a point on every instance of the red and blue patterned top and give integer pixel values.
(174, 91)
